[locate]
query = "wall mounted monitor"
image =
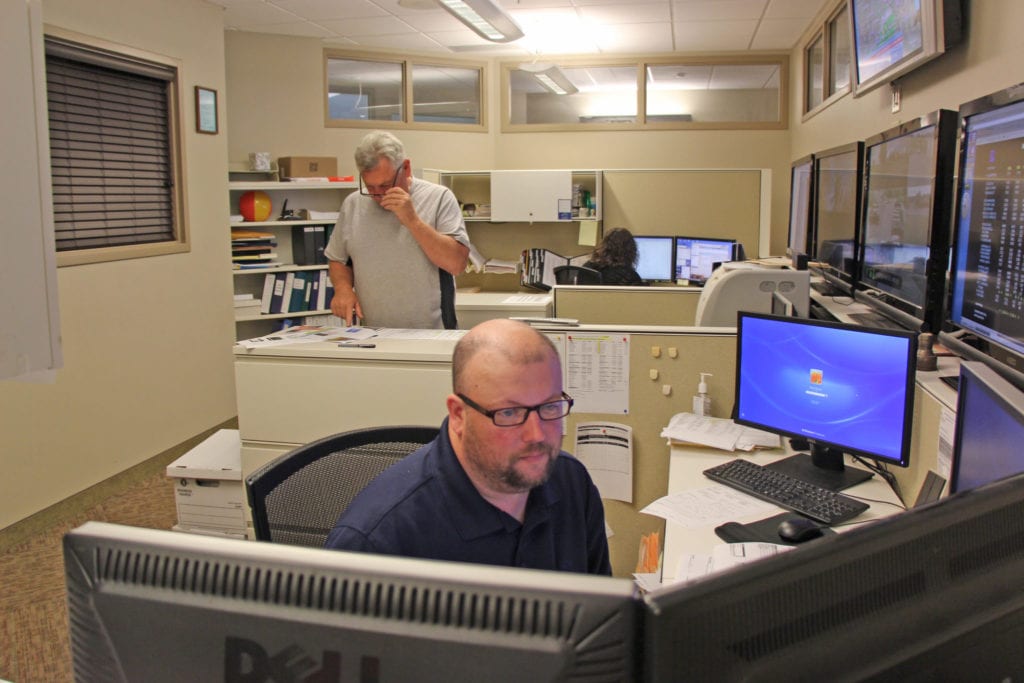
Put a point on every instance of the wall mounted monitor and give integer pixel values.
(801, 205)
(656, 257)
(844, 388)
(838, 173)
(986, 305)
(908, 203)
(149, 605)
(696, 257)
(892, 37)
(989, 428)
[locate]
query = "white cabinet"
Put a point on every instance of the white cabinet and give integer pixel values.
(526, 196)
(318, 198)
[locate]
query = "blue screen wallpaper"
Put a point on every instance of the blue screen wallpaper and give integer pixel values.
(843, 387)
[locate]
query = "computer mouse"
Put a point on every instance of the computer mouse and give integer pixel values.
(799, 529)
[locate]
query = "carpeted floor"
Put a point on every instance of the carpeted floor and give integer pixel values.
(33, 615)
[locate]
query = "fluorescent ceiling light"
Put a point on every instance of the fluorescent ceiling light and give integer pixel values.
(487, 19)
(551, 77)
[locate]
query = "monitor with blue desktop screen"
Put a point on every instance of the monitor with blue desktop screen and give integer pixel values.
(989, 433)
(838, 173)
(843, 388)
(696, 257)
(987, 273)
(150, 605)
(656, 257)
(908, 183)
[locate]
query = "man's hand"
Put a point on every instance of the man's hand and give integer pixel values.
(397, 201)
(344, 304)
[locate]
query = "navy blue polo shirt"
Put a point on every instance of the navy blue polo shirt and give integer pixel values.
(426, 506)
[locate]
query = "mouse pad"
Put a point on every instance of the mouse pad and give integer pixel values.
(761, 531)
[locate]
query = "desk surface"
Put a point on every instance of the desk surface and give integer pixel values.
(686, 467)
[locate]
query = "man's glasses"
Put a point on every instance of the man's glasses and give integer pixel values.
(514, 416)
(378, 190)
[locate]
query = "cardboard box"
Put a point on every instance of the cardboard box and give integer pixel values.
(307, 167)
(208, 489)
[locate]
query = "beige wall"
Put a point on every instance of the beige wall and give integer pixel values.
(147, 342)
(991, 58)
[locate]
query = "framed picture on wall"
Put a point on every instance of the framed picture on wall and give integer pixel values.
(206, 110)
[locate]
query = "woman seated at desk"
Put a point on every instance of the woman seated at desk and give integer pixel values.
(616, 258)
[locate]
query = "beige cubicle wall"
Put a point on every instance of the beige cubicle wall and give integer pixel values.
(723, 203)
(677, 356)
(602, 305)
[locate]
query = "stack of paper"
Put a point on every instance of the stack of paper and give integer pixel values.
(718, 433)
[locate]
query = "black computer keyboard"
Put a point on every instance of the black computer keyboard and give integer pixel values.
(809, 500)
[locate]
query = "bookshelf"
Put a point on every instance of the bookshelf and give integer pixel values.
(320, 198)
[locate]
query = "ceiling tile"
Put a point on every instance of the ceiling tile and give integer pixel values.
(717, 10)
(330, 9)
(634, 38)
(374, 26)
(714, 35)
(641, 12)
(777, 34)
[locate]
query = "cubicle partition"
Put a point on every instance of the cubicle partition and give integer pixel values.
(605, 305)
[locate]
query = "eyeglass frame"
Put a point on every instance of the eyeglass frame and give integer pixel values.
(566, 398)
(364, 188)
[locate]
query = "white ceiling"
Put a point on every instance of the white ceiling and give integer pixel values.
(583, 27)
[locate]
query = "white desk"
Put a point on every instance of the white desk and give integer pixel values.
(686, 467)
(472, 308)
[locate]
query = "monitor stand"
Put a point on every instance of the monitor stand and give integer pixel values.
(820, 468)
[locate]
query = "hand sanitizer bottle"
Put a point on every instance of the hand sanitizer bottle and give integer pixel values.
(702, 402)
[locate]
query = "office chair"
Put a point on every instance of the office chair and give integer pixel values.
(577, 275)
(297, 498)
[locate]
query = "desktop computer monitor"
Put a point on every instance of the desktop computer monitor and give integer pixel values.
(801, 206)
(908, 182)
(656, 257)
(842, 388)
(930, 594)
(985, 312)
(989, 428)
(696, 257)
(149, 605)
(838, 173)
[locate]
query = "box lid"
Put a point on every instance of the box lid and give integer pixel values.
(218, 457)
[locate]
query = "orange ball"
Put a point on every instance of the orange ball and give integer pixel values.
(254, 206)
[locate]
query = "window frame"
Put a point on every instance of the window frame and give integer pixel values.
(408, 121)
(779, 60)
(122, 57)
(824, 31)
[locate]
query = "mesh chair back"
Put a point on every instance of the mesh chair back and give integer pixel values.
(297, 498)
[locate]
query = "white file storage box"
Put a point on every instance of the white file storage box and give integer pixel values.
(208, 489)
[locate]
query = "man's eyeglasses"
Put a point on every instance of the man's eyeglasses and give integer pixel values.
(514, 416)
(378, 190)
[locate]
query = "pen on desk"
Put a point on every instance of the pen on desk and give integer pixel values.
(356, 345)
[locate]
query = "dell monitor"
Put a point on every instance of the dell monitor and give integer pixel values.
(930, 594)
(989, 433)
(149, 605)
(986, 306)
(696, 257)
(837, 206)
(844, 388)
(655, 257)
(908, 183)
(801, 206)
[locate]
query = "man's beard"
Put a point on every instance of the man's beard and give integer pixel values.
(506, 477)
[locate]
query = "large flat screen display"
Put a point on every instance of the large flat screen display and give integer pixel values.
(801, 187)
(908, 181)
(987, 289)
(837, 186)
(892, 37)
